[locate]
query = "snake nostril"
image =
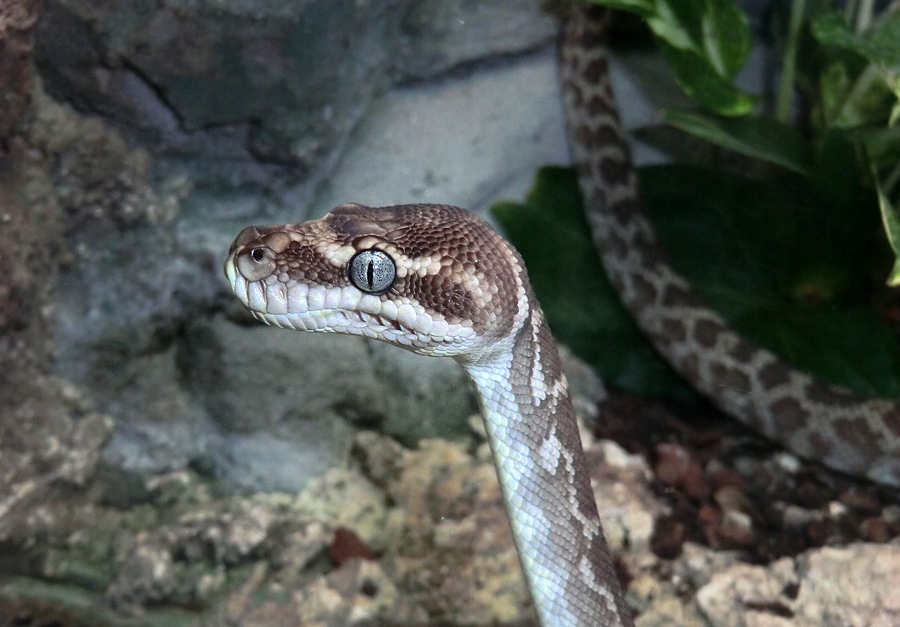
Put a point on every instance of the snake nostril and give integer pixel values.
(255, 263)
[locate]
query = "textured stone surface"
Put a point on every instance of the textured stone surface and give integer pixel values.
(120, 192)
(288, 80)
(432, 516)
(829, 587)
(468, 140)
(50, 436)
(49, 445)
(400, 537)
(160, 187)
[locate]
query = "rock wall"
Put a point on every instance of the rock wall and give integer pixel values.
(165, 127)
(136, 139)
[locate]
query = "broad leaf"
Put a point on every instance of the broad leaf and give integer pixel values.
(890, 217)
(881, 45)
(705, 42)
(755, 137)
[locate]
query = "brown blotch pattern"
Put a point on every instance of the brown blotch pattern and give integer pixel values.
(563, 489)
(731, 378)
(820, 392)
(305, 265)
(675, 330)
(792, 416)
(818, 446)
(615, 171)
(675, 295)
(892, 419)
(773, 375)
(625, 209)
(743, 351)
(854, 432)
(689, 366)
(596, 70)
(466, 246)
(796, 408)
(706, 332)
(643, 292)
(446, 297)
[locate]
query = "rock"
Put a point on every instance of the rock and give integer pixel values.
(628, 508)
(854, 585)
(451, 141)
(421, 397)
(50, 432)
(47, 443)
(254, 377)
(155, 197)
(247, 80)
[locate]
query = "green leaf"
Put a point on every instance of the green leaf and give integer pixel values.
(703, 215)
(881, 45)
(834, 87)
(679, 25)
(884, 40)
(788, 259)
(705, 42)
(893, 279)
(583, 310)
(837, 176)
(756, 137)
(882, 145)
(699, 80)
(726, 37)
(642, 8)
(890, 217)
(872, 96)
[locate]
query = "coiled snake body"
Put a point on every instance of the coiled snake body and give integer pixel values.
(438, 280)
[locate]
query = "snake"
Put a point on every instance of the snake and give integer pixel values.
(439, 281)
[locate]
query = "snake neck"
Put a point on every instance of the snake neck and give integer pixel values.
(545, 481)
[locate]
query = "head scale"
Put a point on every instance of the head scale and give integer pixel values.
(431, 278)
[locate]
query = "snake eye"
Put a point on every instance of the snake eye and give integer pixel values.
(372, 271)
(256, 263)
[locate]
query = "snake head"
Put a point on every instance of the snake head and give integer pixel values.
(430, 278)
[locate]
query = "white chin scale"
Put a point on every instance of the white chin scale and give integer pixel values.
(348, 310)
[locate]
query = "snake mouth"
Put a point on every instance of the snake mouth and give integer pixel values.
(354, 322)
(335, 321)
(308, 309)
(344, 309)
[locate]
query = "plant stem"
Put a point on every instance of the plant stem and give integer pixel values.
(849, 11)
(864, 16)
(785, 98)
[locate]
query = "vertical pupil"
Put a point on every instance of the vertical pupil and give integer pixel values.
(370, 273)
